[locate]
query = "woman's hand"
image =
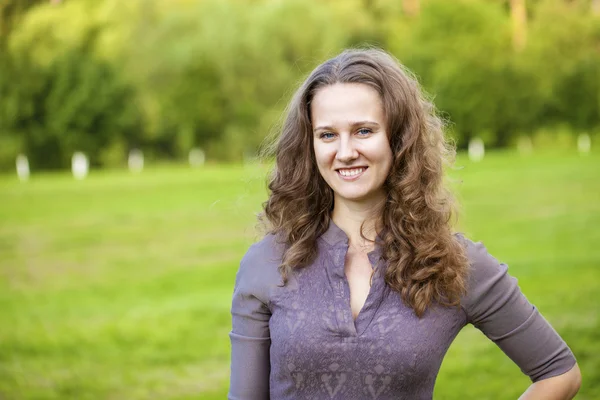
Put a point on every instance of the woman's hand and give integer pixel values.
(561, 387)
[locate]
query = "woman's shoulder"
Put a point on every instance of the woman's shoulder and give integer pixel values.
(259, 267)
(263, 254)
(482, 264)
(488, 279)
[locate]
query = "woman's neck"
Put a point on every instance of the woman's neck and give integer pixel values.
(351, 217)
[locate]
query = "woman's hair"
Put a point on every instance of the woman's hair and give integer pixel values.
(426, 262)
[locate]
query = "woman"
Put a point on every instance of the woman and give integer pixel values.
(360, 287)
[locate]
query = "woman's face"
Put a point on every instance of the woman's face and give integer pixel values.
(350, 141)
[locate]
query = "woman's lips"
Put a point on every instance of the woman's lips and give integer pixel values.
(351, 174)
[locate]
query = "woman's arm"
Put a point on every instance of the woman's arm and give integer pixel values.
(496, 306)
(561, 387)
(250, 335)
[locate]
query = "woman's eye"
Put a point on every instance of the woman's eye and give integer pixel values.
(327, 135)
(364, 131)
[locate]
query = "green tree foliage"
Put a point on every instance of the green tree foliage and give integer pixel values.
(11, 13)
(77, 103)
(165, 76)
(66, 101)
(463, 54)
(566, 57)
(221, 69)
(459, 51)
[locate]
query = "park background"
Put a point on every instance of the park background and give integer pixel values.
(118, 286)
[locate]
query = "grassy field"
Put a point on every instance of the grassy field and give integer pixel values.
(119, 286)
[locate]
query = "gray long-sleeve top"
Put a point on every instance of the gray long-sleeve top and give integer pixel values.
(300, 341)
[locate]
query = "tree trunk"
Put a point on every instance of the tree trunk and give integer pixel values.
(411, 7)
(518, 14)
(596, 7)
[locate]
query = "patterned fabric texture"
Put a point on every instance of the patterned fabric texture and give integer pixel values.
(299, 341)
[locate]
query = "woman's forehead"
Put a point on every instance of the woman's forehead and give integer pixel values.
(346, 104)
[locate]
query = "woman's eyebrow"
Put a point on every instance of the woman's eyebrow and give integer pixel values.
(323, 128)
(352, 124)
(365, 122)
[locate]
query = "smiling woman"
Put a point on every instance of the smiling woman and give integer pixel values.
(351, 146)
(360, 285)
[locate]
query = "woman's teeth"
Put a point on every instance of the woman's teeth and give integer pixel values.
(351, 172)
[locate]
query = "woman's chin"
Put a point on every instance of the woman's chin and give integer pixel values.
(366, 197)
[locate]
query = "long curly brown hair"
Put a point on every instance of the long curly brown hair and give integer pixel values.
(426, 263)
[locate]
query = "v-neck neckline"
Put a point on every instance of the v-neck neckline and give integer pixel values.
(346, 321)
(369, 308)
(337, 242)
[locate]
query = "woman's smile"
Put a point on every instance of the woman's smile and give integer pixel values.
(351, 174)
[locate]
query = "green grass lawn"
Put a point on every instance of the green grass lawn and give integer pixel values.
(119, 286)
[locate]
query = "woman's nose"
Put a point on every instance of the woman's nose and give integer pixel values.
(346, 151)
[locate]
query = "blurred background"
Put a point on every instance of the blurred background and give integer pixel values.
(129, 178)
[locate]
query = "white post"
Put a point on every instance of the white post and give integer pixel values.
(476, 149)
(135, 161)
(584, 143)
(196, 157)
(22, 167)
(79, 165)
